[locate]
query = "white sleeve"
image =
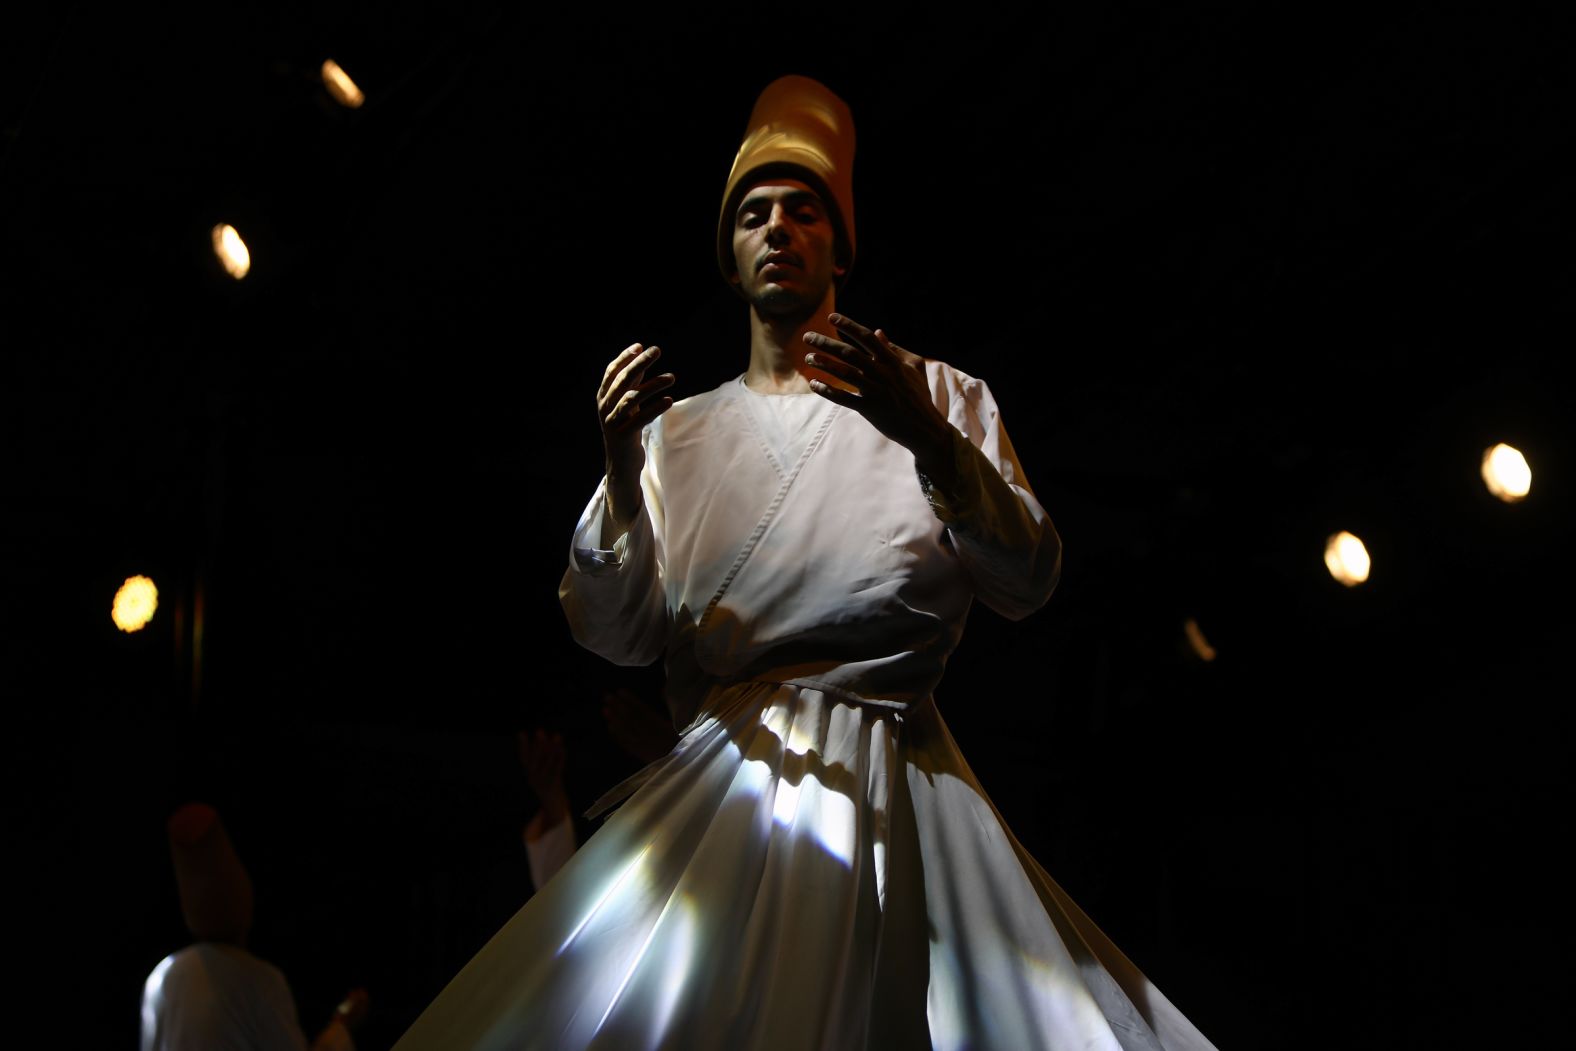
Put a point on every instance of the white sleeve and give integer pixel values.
(614, 597)
(211, 995)
(548, 853)
(1002, 535)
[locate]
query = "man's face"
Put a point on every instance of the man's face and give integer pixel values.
(785, 248)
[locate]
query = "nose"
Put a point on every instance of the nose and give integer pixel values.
(776, 227)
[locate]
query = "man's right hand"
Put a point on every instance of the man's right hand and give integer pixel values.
(625, 402)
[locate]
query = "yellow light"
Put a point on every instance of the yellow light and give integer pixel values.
(1506, 473)
(134, 604)
(231, 250)
(1196, 640)
(1347, 558)
(339, 85)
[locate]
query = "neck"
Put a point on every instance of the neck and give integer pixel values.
(777, 349)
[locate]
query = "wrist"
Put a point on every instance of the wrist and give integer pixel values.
(623, 498)
(553, 811)
(555, 808)
(936, 459)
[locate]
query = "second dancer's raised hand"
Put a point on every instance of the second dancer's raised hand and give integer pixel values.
(887, 386)
(625, 402)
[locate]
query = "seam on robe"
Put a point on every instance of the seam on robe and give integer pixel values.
(754, 424)
(842, 692)
(766, 518)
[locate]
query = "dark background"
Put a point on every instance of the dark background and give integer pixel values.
(1237, 281)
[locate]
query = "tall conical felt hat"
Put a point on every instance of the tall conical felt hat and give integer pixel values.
(216, 892)
(798, 129)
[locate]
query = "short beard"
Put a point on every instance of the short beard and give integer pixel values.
(783, 306)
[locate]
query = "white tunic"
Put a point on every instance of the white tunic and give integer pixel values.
(814, 866)
(212, 997)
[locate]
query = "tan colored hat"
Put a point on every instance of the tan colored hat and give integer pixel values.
(216, 892)
(798, 129)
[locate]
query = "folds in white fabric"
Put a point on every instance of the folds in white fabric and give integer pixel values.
(803, 873)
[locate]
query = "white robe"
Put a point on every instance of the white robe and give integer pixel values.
(212, 997)
(814, 866)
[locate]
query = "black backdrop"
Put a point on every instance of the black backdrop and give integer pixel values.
(1236, 280)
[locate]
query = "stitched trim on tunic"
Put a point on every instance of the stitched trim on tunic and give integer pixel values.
(766, 519)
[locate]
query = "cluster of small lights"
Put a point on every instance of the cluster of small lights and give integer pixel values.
(1507, 476)
(1505, 469)
(1346, 557)
(138, 598)
(231, 250)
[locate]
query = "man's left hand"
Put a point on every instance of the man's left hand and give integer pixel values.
(542, 756)
(888, 388)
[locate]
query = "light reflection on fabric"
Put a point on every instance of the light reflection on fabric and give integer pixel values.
(676, 969)
(834, 823)
(602, 899)
(1062, 997)
(799, 740)
(691, 901)
(633, 966)
(802, 803)
(152, 993)
(786, 806)
(944, 1009)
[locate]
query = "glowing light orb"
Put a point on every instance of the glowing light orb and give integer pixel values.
(134, 604)
(339, 85)
(1347, 559)
(1506, 473)
(1196, 640)
(231, 250)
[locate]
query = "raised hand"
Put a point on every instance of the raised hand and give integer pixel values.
(347, 1018)
(887, 386)
(636, 727)
(625, 402)
(542, 757)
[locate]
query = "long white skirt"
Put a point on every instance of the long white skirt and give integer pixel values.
(803, 872)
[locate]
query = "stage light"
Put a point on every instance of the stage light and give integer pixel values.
(339, 85)
(134, 604)
(1196, 640)
(231, 250)
(1506, 473)
(1347, 558)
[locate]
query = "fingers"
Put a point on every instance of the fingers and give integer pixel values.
(353, 1008)
(540, 746)
(625, 371)
(638, 406)
(617, 703)
(832, 360)
(846, 351)
(872, 343)
(875, 343)
(636, 727)
(639, 393)
(552, 764)
(836, 394)
(626, 400)
(618, 364)
(543, 758)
